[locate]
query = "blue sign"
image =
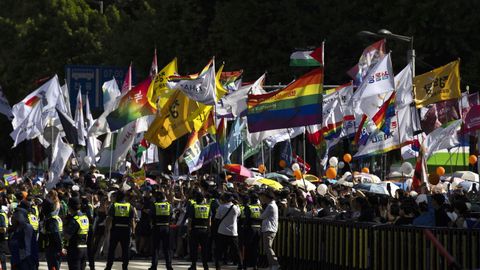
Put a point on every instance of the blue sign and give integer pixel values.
(90, 80)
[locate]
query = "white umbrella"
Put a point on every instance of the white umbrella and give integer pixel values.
(467, 175)
(303, 183)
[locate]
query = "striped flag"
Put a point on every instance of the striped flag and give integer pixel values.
(308, 58)
(298, 104)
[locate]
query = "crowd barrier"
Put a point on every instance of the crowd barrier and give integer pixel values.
(303, 243)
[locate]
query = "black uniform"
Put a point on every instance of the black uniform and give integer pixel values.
(53, 241)
(161, 213)
(122, 214)
(253, 234)
(200, 216)
(77, 228)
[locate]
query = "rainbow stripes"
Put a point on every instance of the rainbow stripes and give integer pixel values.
(385, 113)
(298, 104)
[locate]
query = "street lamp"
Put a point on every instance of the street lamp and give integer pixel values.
(384, 33)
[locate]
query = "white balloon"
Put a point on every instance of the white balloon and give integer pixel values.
(333, 161)
(341, 164)
(406, 168)
(322, 189)
(295, 166)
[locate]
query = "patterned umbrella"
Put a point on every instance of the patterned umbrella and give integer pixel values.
(238, 169)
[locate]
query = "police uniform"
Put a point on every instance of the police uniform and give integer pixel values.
(161, 213)
(88, 210)
(121, 214)
(253, 234)
(53, 229)
(200, 216)
(3, 238)
(33, 219)
(77, 228)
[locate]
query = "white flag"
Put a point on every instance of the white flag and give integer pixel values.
(5, 106)
(379, 79)
(236, 102)
(403, 85)
(61, 154)
(442, 138)
(201, 89)
(31, 127)
(151, 155)
(371, 105)
(48, 93)
(79, 122)
(110, 93)
(64, 103)
(284, 135)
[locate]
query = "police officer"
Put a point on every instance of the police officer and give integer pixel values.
(252, 231)
(161, 214)
(76, 233)
(3, 232)
(199, 221)
(87, 208)
(31, 215)
(121, 221)
(53, 230)
(22, 243)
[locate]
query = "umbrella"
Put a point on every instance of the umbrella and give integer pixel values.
(312, 178)
(366, 178)
(276, 176)
(467, 175)
(269, 182)
(238, 169)
(302, 184)
(151, 181)
(379, 188)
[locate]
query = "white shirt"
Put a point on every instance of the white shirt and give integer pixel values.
(229, 223)
(270, 218)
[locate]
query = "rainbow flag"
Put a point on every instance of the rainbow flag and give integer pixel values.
(298, 104)
(385, 113)
(332, 131)
(133, 105)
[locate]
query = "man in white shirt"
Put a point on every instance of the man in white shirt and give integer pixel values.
(226, 218)
(269, 226)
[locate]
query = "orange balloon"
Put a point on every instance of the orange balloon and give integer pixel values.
(440, 171)
(347, 158)
(282, 164)
(365, 170)
(331, 173)
(262, 168)
(298, 174)
(472, 159)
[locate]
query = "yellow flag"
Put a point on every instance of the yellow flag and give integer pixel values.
(221, 91)
(179, 116)
(158, 92)
(442, 83)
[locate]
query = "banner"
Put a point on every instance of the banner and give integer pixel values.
(442, 83)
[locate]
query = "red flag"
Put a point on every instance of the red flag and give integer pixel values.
(418, 175)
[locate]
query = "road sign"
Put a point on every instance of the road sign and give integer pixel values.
(90, 79)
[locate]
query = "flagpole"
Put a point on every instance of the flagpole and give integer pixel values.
(241, 156)
(304, 153)
(263, 159)
(111, 160)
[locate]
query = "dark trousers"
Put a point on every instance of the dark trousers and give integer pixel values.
(223, 242)
(91, 250)
(121, 236)
(199, 237)
(252, 243)
(27, 264)
(77, 258)
(53, 259)
(161, 234)
(3, 251)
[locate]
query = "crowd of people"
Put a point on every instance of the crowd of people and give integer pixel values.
(84, 218)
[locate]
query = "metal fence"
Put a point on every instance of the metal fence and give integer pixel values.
(303, 243)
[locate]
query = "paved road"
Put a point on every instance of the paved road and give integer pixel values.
(139, 265)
